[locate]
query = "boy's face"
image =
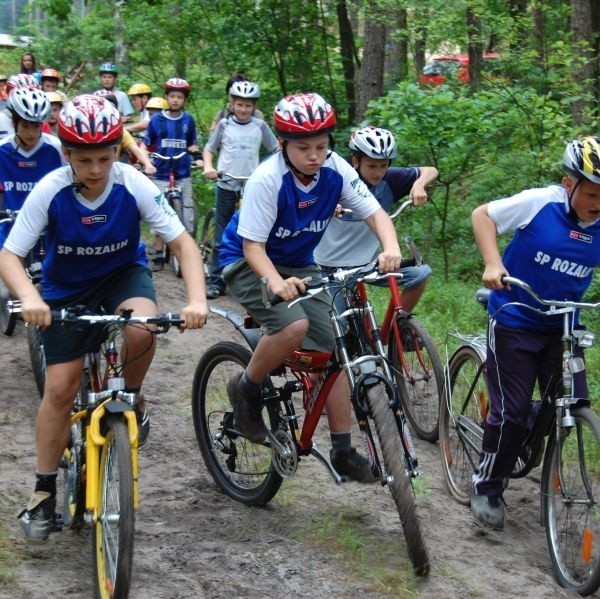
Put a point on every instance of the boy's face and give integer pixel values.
(176, 100)
(308, 155)
(49, 85)
(372, 170)
(139, 101)
(54, 112)
(29, 133)
(586, 199)
(242, 108)
(92, 168)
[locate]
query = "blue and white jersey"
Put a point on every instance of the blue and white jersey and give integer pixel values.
(21, 169)
(348, 240)
(86, 241)
(170, 136)
(289, 217)
(549, 250)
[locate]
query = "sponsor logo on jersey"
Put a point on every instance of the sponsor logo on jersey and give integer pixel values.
(174, 143)
(579, 236)
(96, 218)
(27, 163)
(307, 203)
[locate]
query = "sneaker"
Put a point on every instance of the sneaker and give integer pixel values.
(38, 519)
(246, 412)
(158, 264)
(353, 465)
(213, 292)
(143, 421)
(489, 510)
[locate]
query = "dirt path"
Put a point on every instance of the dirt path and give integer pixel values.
(193, 542)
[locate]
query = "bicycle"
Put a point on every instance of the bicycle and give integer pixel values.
(413, 357)
(570, 481)
(207, 235)
(174, 196)
(33, 266)
(253, 473)
(100, 464)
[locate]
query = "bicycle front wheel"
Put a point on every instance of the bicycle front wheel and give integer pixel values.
(37, 356)
(398, 478)
(207, 239)
(242, 469)
(113, 530)
(463, 411)
(419, 374)
(571, 492)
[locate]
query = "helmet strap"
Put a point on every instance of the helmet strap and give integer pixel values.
(572, 214)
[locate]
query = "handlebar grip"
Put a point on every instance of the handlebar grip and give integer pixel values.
(406, 262)
(414, 251)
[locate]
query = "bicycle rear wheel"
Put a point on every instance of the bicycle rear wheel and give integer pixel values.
(207, 239)
(242, 469)
(113, 531)
(399, 481)
(37, 356)
(571, 491)
(463, 411)
(419, 375)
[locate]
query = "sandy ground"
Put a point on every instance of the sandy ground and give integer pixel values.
(194, 542)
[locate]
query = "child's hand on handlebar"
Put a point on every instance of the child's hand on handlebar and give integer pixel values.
(389, 261)
(492, 276)
(211, 173)
(288, 289)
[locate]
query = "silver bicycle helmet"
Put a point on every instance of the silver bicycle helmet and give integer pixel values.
(245, 89)
(374, 142)
(29, 104)
(581, 158)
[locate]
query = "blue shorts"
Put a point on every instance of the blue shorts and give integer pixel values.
(66, 342)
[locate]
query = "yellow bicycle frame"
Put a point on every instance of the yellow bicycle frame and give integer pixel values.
(95, 442)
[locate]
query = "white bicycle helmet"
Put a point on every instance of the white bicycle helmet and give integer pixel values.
(374, 142)
(29, 104)
(245, 89)
(581, 158)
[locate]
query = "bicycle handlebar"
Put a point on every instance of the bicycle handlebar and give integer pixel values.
(79, 314)
(342, 276)
(221, 175)
(571, 305)
(8, 215)
(161, 157)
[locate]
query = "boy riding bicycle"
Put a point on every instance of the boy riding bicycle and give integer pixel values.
(348, 241)
(288, 201)
(555, 248)
(91, 211)
(237, 139)
(168, 133)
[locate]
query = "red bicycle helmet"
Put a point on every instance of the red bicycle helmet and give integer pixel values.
(21, 80)
(89, 121)
(177, 84)
(303, 115)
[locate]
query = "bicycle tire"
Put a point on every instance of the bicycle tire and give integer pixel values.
(177, 203)
(37, 357)
(243, 470)
(462, 414)
(114, 529)
(399, 481)
(419, 374)
(571, 503)
(73, 464)
(8, 320)
(207, 238)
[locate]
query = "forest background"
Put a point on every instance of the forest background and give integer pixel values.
(491, 138)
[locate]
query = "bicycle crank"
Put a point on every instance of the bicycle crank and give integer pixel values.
(284, 454)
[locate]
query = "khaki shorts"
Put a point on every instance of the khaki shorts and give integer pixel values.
(246, 287)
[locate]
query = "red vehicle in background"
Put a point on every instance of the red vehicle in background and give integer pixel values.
(440, 69)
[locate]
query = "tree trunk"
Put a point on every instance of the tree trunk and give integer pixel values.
(475, 48)
(396, 67)
(581, 31)
(347, 57)
(371, 74)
